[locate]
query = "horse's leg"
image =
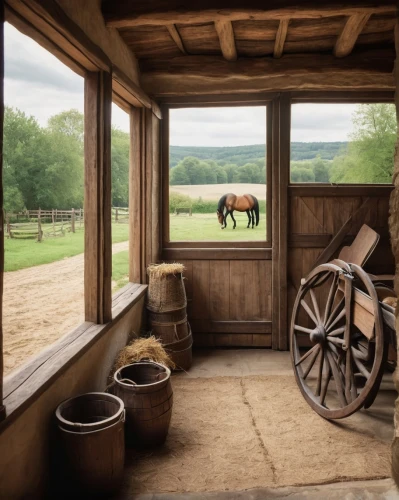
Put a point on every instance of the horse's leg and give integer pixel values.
(253, 218)
(249, 218)
(225, 217)
(231, 215)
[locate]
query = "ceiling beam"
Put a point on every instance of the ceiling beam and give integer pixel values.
(164, 12)
(226, 38)
(176, 37)
(350, 32)
(195, 75)
(280, 38)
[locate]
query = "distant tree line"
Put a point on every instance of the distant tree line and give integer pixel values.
(43, 166)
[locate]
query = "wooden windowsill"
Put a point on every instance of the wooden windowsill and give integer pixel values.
(28, 382)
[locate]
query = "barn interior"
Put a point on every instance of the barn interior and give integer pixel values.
(240, 422)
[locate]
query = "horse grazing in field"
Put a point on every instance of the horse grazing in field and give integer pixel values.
(246, 203)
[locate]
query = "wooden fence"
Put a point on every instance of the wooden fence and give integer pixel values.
(120, 215)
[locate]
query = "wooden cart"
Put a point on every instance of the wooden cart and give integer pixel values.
(339, 312)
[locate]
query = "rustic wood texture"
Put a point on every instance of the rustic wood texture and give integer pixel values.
(129, 90)
(176, 37)
(280, 37)
(190, 75)
(155, 12)
(347, 39)
(225, 33)
(156, 190)
(97, 202)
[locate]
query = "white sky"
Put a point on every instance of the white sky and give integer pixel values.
(37, 83)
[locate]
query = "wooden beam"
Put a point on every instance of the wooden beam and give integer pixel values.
(97, 201)
(136, 230)
(2, 407)
(192, 75)
(51, 21)
(352, 29)
(280, 38)
(128, 90)
(225, 33)
(176, 37)
(159, 12)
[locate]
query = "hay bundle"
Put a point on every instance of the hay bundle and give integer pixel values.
(166, 290)
(143, 348)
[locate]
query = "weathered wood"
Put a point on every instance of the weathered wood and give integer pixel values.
(225, 33)
(157, 12)
(176, 253)
(234, 327)
(176, 37)
(322, 191)
(128, 90)
(49, 18)
(97, 202)
(148, 177)
(187, 75)
(135, 198)
(336, 242)
(156, 190)
(156, 110)
(352, 29)
(280, 38)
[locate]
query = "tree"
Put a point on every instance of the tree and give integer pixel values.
(302, 175)
(120, 146)
(178, 176)
(320, 170)
(69, 123)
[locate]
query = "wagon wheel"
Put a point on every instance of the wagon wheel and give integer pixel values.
(342, 370)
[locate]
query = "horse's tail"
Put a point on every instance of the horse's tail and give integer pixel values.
(256, 209)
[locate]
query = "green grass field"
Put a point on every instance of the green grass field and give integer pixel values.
(205, 227)
(23, 253)
(120, 269)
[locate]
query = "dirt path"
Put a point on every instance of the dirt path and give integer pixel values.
(42, 303)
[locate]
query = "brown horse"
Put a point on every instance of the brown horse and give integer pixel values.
(246, 203)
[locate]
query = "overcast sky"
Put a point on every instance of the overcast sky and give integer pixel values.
(40, 85)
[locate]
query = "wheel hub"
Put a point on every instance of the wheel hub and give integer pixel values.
(318, 335)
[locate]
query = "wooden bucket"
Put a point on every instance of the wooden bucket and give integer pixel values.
(146, 391)
(170, 326)
(92, 443)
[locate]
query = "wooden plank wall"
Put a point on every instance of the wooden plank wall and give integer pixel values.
(229, 301)
(313, 220)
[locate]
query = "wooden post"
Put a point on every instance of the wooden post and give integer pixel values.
(39, 226)
(73, 220)
(97, 208)
(136, 229)
(2, 408)
(156, 190)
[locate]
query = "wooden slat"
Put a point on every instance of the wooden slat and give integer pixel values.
(220, 290)
(2, 407)
(156, 247)
(154, 12)
(309, 240)
(225, 33)
(201, 288)
(135, 197)
(176, 37)
(97, 202)
(233, 327)
(127, 89)
(148, 176)
(321, 191)
(280, 37)
(348, 37)
(50, 20)
(173, 254)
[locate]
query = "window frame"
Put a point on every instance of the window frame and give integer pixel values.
(339, 97)
(218, 101)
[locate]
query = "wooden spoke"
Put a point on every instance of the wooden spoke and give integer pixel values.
(338, 318)
(336, 332)
(335, 341)
(315, 306)
(306, 355)
(309, 311)
(320, 373)
(325, 382)
(333, 314)
(311, 362)
(361, 368)
(348, 376)
(337, 379)
(302, 329)
(331, 295)
(359, 354)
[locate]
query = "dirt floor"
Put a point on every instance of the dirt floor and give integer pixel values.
(40, 305)
(215, 191)
(239, 422)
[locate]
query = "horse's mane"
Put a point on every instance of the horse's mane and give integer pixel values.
(222, 201)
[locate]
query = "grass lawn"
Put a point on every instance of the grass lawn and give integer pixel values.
(22, 253)
(205, 227)
(120, 270)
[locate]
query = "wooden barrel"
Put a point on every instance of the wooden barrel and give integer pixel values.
(170, 326)
(87, 426)
(181, 352)
(146, 391)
